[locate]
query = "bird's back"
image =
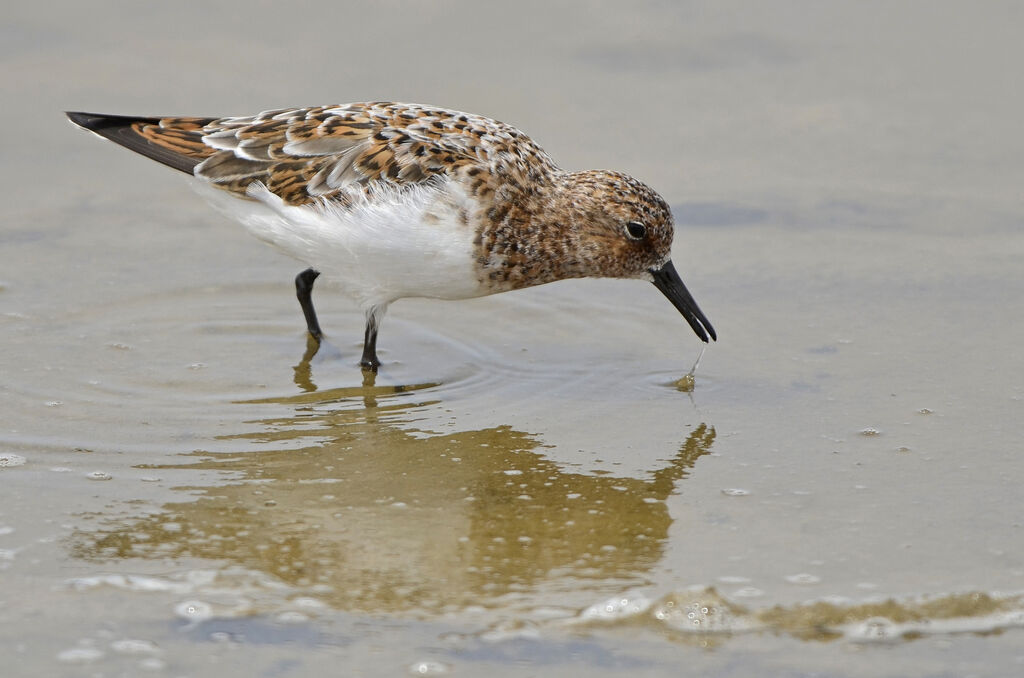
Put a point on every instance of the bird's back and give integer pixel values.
(305, 155)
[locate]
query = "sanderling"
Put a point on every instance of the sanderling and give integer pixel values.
(402, 200)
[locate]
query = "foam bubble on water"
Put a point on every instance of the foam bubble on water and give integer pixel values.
(307, 603)
(748, 592)
(292, 617)
(888, 620)
(238, 582)
(511, 630)
(80, 655)
(875, 629)
(881, 629)
(735, 492)
(194, 610)
(130, 583)
(98, 475)
(701, 610)
(616, 608)
(11, 459)
(429, 668)
(134, 646)
(803, 578)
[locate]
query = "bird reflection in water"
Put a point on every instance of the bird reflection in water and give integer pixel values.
(346, 497)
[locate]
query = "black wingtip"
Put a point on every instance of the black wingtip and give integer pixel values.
(97, 122)
(89, 121)
(120, 130)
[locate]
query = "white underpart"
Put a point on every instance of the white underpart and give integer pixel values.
(387, 245)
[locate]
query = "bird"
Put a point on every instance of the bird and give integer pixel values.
(396, 200)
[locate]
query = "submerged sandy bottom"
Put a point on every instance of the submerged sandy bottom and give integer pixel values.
(527, 487)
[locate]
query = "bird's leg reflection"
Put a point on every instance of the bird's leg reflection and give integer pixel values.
(303, 375)
(369, 393)
(303, 372)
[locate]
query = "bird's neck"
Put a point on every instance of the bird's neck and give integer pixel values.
(533, 236)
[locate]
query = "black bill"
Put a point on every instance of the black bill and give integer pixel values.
(667, 280)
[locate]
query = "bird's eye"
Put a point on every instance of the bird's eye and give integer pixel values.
(636, 230)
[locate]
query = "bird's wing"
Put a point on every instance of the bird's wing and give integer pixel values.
(306, 154)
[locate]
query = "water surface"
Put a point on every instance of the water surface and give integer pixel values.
(526, 488)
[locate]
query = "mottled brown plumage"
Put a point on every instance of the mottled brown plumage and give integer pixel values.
(309, 154)
(474, 195)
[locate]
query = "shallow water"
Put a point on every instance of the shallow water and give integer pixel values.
(529, 486)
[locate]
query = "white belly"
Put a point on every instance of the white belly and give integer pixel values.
(389, 245)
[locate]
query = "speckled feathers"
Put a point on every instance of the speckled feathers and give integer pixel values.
(533, 223)
(308, 154)
(395, 200)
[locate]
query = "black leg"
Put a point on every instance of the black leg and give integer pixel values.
(370, 361)
(304, 291)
